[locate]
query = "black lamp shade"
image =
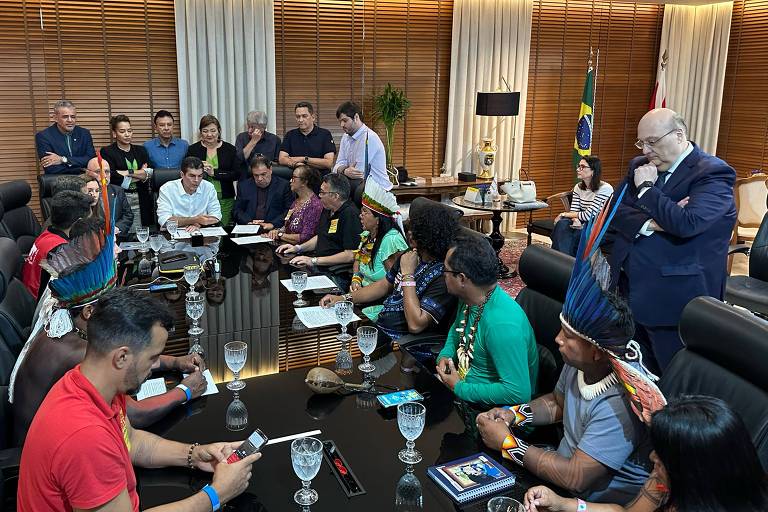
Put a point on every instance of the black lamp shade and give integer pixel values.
(497, 103)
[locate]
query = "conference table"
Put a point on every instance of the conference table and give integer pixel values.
(280, 403)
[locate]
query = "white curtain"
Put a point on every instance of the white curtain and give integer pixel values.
(225, 52)
(696, 39)
(491, 39)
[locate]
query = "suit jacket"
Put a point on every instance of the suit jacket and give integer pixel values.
(121, 210)
(230, 168)
(279, 200)
(664, 271)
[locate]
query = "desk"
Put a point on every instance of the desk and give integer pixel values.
(441, 189)
(497, 238)
(368, 438)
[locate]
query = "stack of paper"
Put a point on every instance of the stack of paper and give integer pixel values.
(255, 239)
(246, 229)
(313, 283)
(318, 316)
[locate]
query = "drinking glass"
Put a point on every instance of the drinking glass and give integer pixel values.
(156, 243)
(191, 275)
(410, 419)
(343, 310)
(142, 233)
(145, 266)
(306, 457)
(344, 360)
(505, 504)
(237, 415)
(235, 353)
(172, 226)
(366, 341)
(195, 308)
(299, 282)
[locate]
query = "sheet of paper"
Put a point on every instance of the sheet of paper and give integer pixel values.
(150, 388)
(313, 283)
(182, 234)
(213, 231)
(130, 246)
(256, 239)
(246, 229)
(318, 316)
(211, 389)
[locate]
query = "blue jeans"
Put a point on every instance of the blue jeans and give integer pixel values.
(565, 238)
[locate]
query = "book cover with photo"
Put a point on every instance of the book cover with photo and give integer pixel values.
(472, 477)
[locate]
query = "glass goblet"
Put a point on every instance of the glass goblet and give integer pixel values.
(306, 457)
(172, 226)
(505, 504)
(191, 275)
(156, 243)
(142, 234)
(344, 311)
(410, 420)
(366, 341)
(299, 282)
(235, 354)
(195, 307)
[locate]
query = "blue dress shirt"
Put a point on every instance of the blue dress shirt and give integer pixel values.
(166, 157)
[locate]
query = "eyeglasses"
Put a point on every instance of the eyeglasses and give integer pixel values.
(295, 177)
(321, 193)
(582, 167)
(640, 144)
(454, 272)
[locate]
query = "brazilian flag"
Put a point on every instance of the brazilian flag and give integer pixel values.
(582, 145)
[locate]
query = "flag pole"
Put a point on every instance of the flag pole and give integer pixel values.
(594, 86)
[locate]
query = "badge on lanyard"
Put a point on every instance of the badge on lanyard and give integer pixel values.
(333, 227)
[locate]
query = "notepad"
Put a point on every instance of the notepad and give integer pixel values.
(472, 477)
(313, 283)
(246, 229)
(150, 388)
(182, 234)
(130, 246)
(317, 316)
(256, 239)
(213, 231)
(212, 389)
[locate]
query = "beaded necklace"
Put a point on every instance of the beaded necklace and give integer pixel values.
(465, 351)
(296, 215)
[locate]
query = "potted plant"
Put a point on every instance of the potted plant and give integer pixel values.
(390, 107)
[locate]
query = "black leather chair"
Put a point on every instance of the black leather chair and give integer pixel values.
(724, 356)
(162, 176)
(17, 306)
(751, 291)
(46, 186)
(18, 222)
(545, 227)
(283, 171)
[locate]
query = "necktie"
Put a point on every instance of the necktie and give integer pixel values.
(68, 138)
(662, 179)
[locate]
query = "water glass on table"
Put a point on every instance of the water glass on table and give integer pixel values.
(344, 312)
(191, 275)
(235, 354)
(299, 282)
(505, 504)
(366, 341)
(410, 419)
(306, 457)
(195, 307)
(142, 234)
(156, 243)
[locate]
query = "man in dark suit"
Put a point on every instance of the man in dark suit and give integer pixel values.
(671, 231)
(118, 202)
(263, 199)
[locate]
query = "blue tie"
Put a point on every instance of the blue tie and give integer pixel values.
(662, 179)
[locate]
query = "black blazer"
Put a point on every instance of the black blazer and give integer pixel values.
(230, 166)
(116, 160)
(279, 200)
(121, 210)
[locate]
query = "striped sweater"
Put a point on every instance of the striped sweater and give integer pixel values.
(589, 203)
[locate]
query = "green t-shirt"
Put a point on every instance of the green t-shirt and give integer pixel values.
(506, 360)
(392, 242)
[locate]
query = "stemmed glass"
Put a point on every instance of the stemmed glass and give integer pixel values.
(156, 243)
(366, 341)
(191, 275)
(172, 226)
(299, 282)
(306, 457)
(142, 233)
(505, 504)
(410, 419)
(237, 414)
(195, 307)
(343, 310)
(235, 353)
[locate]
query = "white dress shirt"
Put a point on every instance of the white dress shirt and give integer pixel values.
(174, 201)
(352, 154)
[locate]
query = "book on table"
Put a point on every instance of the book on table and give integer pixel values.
(472, 477)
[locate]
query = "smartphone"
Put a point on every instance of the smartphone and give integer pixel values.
(253, 444)
(164, 287)
(399, 397)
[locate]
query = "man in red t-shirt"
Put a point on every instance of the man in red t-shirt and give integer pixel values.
(80, 449)
(67, 207)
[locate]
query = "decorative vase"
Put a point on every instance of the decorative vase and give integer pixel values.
(486, 153)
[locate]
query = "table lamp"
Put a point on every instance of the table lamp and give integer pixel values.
(500, 104)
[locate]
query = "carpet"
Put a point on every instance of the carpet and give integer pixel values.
(510, 255)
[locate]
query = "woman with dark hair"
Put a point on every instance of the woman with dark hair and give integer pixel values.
(304, 214)
(703, 461)
(220, 162)
(589, 196)
(413, 289)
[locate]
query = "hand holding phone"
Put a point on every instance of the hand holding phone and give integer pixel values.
(253, 444)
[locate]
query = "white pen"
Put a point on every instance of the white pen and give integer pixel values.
(294, 436)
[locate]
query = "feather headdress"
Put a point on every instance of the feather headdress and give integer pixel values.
(592, 311)
(382, 202)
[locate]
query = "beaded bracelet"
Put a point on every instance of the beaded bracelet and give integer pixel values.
(189, 455)
(581, 506)
(407, 283)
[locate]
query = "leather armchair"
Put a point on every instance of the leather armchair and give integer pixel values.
(18, 222)
(751, 291)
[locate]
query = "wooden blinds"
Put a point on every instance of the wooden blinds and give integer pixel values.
(108, 57)
(743, 138)
(327, 52)
(627, 35)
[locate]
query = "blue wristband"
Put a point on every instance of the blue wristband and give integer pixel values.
(187, 392)
(211, 492)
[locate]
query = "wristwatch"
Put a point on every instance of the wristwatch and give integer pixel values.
(64, 160)
(314, 261)
(306, 160)
(645, 184)
(280, 235)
